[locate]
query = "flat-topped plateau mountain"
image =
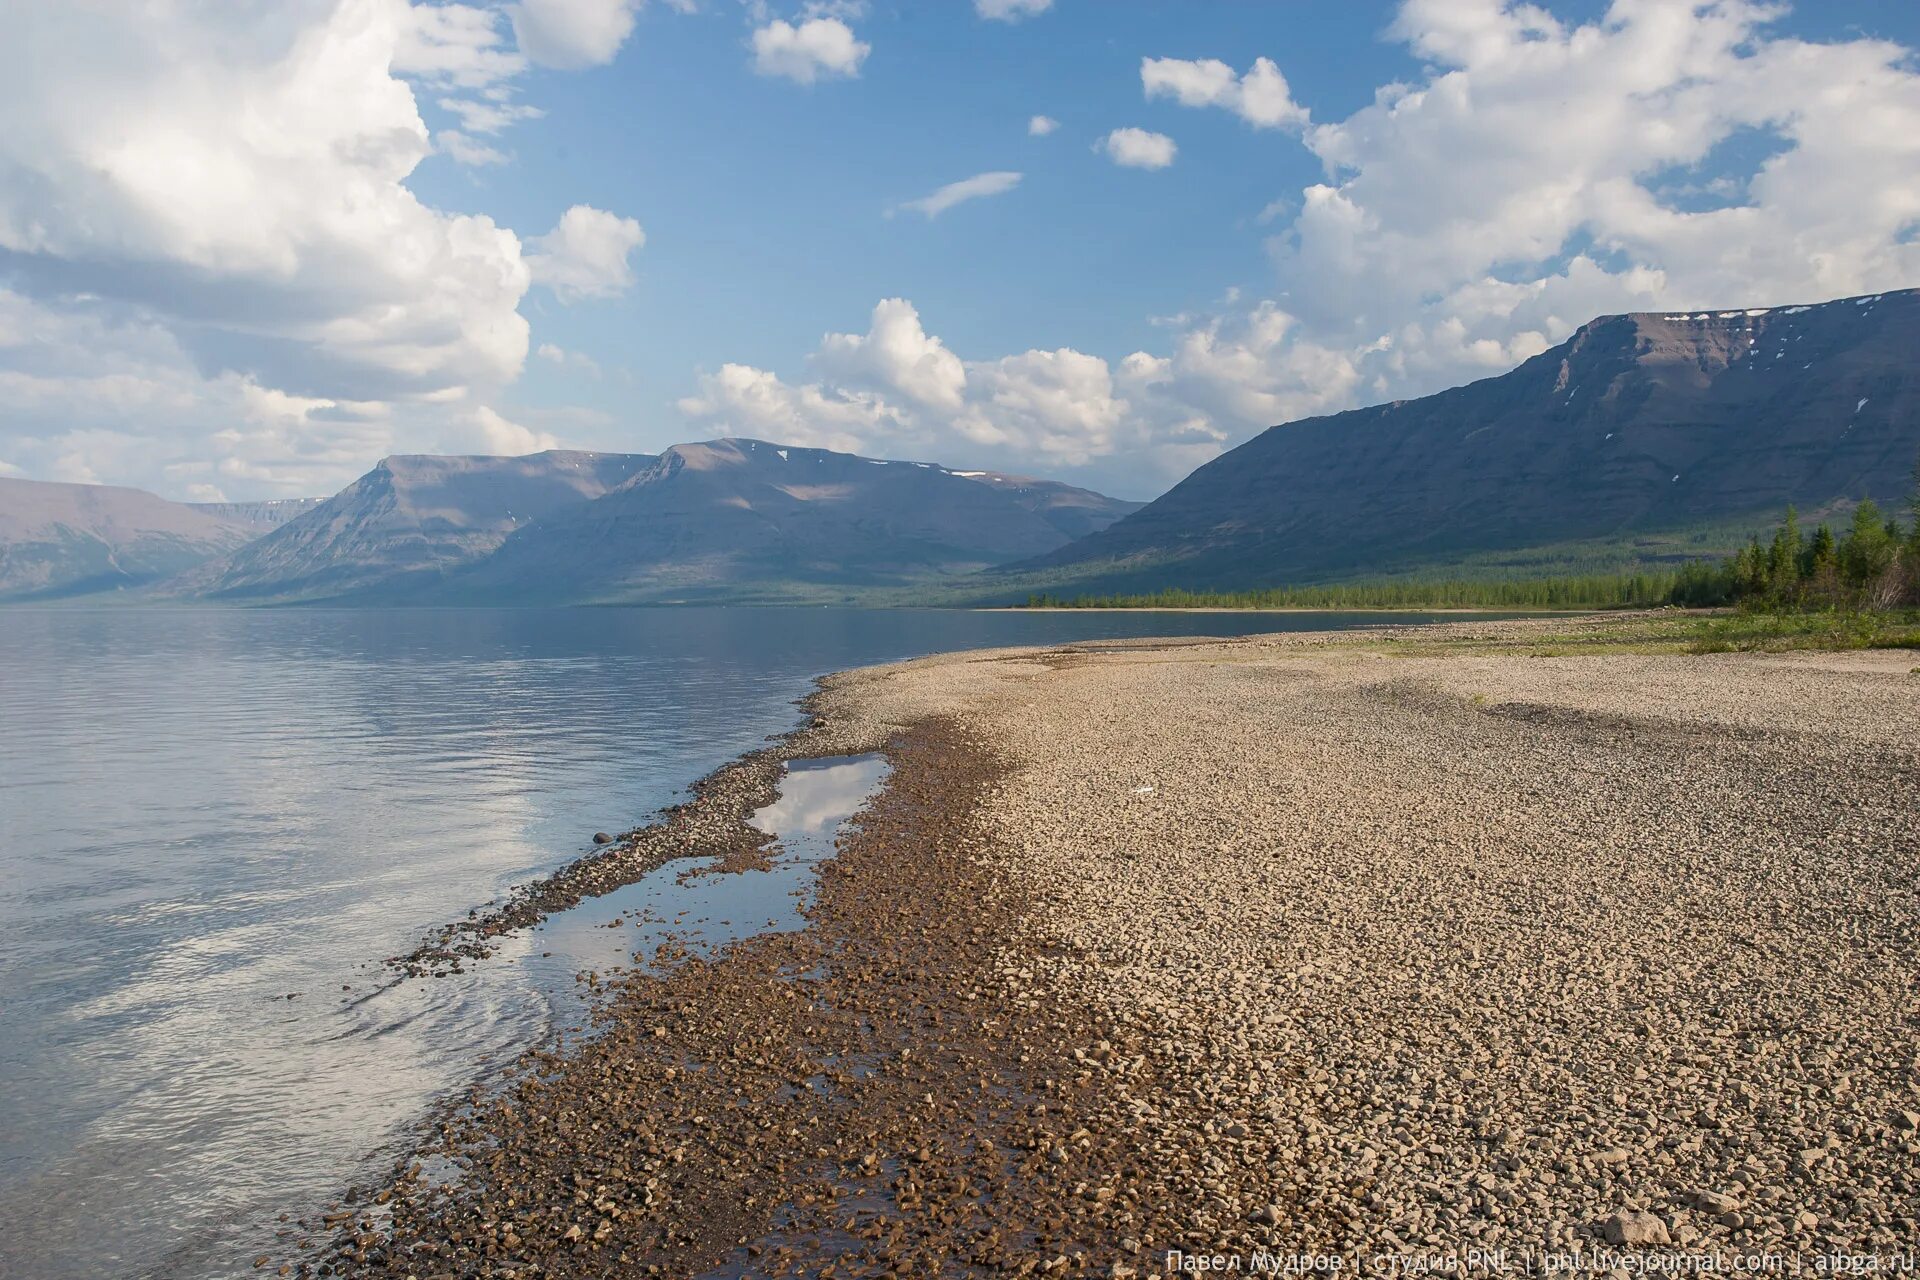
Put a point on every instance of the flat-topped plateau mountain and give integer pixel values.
(740, 519)
(410, 521)
(1637, 425)
(60, 540)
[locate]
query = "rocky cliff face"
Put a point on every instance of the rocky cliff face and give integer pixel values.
(262, 516)
(731, 519)
(1635, 424)
(60, 540)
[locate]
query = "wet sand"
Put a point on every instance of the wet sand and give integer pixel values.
(1366, 942)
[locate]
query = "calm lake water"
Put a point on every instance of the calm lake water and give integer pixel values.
(204, 812)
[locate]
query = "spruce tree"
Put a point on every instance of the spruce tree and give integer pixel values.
(1783, 558)
(1867, 551)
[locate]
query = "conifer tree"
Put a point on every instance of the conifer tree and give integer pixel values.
(1867, 552)
(1783, 557)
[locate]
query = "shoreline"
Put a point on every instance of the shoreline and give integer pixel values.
(1121, 960)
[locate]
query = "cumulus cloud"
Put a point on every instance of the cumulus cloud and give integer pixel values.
(1010, 10)
(570, 34)
(819, 46)
(1138, 148)
(297, 254)
(218, 277)
(1041, 126)
(456, 45)
(743, 400)
(898, 357)
(1260, 97)
(898, 389)
(974, 188)
(499, 435)
(585, 255)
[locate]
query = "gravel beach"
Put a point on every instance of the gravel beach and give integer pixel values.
(1394, 944)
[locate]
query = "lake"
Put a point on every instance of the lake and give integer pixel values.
(215, 824)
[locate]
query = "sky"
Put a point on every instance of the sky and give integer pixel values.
(249, 247)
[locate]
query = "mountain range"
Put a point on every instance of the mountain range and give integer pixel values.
(1640, 430)
(725, 519)
(1638, 425)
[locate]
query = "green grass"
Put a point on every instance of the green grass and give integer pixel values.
(1744, 632)
(1674, 631)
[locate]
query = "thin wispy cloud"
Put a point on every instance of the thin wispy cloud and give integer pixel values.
(979, 186)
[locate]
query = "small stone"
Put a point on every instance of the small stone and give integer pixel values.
(1614, 1156)
(1714, 1202)
(1906, 1121)
(601, 837)
(1265, 1216)
(1634, 1228)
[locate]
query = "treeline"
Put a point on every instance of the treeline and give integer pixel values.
(1587, 591)
(1873, 564)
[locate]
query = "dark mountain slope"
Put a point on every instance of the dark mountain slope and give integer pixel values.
(1636, 424)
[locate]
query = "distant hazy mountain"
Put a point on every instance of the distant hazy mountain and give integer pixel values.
(409, 521)
(258, 516)
(1637, 423)
(739, 519)
(729, 519)
(60, 540)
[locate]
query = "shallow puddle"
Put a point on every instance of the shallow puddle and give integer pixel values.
(684, 905)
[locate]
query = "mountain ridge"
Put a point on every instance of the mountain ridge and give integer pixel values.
(737, 516)
(1637, 423)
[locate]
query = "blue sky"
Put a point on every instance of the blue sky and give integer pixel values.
(247, 249)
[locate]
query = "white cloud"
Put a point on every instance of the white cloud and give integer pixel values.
(462, 149)
(821, 46)
(1260, 97)
(585, 255)
(498, 435)
(565, 359)
(897, 356)
(489, 115)
(1138, 148)
(898, 390)
(1480, 215)
(297, 254)
(742, 400)
(570, 34)
(218, 275)
(1010, 10)
(456, 45)
(1041, 126)
(1056, 407)
(974, 188)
